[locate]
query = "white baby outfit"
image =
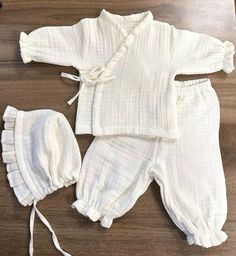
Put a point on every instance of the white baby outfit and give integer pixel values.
(127, 66)
(117, 170)
(42, 155)
(164, 130)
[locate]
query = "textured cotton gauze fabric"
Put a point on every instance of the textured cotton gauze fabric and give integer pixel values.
(117, 170)
(127, 68)
(42, 155)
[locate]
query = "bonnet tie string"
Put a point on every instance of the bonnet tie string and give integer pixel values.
(46, 223)
(88, 77)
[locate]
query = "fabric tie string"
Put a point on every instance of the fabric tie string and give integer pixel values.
(92, 76)
(46, 223)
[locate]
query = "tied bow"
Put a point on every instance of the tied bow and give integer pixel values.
(92, 76)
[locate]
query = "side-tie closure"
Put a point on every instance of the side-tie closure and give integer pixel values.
(89, 77)
(46, 223)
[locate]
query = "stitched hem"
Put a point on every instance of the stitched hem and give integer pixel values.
(125, 131)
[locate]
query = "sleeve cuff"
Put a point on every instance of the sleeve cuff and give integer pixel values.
(228, 59)
(24, 47)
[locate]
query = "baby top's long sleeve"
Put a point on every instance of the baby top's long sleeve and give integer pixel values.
(127, 69)
(195, 53)
(61, 45)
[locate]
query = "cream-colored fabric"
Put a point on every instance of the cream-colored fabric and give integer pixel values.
(143, 54)
(88, 77)
(41, 154)
(117, 170)
(47, 224)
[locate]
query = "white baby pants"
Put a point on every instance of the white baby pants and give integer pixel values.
(117, 170)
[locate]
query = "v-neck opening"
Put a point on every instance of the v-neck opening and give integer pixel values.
(139, 18)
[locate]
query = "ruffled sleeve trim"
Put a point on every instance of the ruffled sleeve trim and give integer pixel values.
(25, 47)
(228, 59)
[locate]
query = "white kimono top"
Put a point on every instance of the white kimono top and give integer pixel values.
(127, 68)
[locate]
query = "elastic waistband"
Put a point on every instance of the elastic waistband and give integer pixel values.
(192, 86)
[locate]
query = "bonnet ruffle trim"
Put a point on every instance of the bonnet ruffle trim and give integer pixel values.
(15, 178)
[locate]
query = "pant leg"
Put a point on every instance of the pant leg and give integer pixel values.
(190, 171)
(114, 173)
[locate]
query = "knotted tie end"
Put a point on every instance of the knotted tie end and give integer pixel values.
(92, 76)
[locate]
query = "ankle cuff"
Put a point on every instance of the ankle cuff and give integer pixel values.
(208, 240)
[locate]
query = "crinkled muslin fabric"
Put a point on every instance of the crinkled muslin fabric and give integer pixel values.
(149, 126)
(117, 170)
(127, 68)
(41, 156)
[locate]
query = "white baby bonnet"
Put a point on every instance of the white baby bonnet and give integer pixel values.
(42, 155)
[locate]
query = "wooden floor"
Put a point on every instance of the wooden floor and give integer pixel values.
(146, 229)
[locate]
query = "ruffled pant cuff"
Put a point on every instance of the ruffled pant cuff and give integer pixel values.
(207, 240)
(92, 213)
